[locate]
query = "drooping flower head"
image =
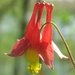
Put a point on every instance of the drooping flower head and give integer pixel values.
(35, 44)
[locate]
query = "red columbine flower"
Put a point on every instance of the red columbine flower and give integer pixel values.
(36, 44)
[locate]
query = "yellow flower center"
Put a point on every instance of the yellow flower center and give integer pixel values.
(33, 58)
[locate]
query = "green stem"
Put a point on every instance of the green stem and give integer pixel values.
(64, 41)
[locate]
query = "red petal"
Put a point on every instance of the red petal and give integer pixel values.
(34, 32)
(20, 48)
(35, 37)
(46, 54)
(31, 23)
(47, 34)
(40, 11)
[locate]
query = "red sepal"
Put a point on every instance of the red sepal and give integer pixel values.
(46, 53)
(20, 48)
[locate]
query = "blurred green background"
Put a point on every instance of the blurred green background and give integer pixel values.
(14, 17)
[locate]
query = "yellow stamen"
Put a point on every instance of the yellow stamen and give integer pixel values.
(33, 58)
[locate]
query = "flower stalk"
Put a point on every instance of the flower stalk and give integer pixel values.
(64, 41)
